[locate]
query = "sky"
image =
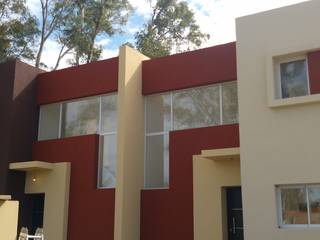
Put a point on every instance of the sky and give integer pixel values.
(216, 17)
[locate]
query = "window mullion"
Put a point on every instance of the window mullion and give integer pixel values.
(308, 205)
(100, 116)
(60, 120)
(171, 112)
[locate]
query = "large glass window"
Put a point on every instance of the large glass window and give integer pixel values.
(299, 205)
(294, 78)
(191, 108)
(108, 132)
(94, 115)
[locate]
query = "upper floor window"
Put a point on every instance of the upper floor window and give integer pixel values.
(93, 115)
(299, 205)
(293, 77)
(191, 108)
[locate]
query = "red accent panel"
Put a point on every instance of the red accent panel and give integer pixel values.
(201, 67)
(75, 82)
(168, 214)
(91, 210)
(314, 72)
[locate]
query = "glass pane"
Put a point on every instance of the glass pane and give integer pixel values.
(109, 113)
(294, 206)
(158, 112)
(294, 80)
(198, 107)
(80, 117)
(49, 121)
(314, 204)
(229, 103)
(157, 161)
(109, 159)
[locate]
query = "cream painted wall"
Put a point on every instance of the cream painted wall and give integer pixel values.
(8, 219)
(130, 145)
(209, 203)
(278, 145)
(55, 184)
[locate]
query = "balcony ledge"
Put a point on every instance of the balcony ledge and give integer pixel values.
(31, 166)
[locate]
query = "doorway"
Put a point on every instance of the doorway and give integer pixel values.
(234, 213)
(36, 206)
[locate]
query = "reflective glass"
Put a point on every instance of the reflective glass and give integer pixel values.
(49, 121)
(109, 113)
(294, 79)
(108, 161)
(158, 112)
(197, 107)
(157, 161)
(314, 204)
(80, 117)
(229, 103)
(294, 206)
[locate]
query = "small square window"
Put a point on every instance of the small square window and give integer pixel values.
(293, 78)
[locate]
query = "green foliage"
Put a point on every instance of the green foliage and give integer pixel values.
(172, 27)
(18, 31)
(90, 20)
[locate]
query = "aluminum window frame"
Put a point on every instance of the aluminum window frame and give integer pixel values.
(98, 132)
(289, 59)
(163, 133)
(279, 206)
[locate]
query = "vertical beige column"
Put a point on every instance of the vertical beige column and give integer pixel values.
(130, 145)
(8, 219)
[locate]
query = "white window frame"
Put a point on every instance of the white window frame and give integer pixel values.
(289, 59)
(279, 206)
(163, 133)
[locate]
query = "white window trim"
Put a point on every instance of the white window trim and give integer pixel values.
(273, 100)
(279, 206)
(278, 79)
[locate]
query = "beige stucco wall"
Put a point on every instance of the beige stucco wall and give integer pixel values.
(209, 203)
(55, 184)
(8, 219)
(130, 145)
(278, 145)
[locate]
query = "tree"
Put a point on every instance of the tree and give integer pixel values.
(92, 19)
(172, 27)
(18, 30)
(53, 14)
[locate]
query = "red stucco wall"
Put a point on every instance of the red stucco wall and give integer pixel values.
(314, 72)
(201, 67)
(86, 80)
(91, 210)
(168, 214)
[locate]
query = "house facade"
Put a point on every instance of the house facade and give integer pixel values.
(217, 143)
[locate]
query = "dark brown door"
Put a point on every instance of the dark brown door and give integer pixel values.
(234, 211)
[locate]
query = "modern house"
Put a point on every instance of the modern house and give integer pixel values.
(219, 143)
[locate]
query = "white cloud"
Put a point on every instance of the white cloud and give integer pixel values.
(218, 17)
(142, 7)
(109, 53)
(103, 42)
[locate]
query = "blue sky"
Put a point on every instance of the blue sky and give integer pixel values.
(216, 17)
